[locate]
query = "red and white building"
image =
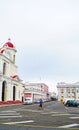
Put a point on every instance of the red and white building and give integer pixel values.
(36, 91)
(11, 86)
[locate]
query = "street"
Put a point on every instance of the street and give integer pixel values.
(27, 117)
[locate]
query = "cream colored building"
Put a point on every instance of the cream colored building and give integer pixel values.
(11, 86)
(68, 91)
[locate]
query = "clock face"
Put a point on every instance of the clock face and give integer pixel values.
(8, 55)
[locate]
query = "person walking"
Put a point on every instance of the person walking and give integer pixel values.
(40, 104)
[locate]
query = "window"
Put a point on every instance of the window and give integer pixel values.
(4, 68)
(68, 90)
(73, 90)
(72, 96)
(62, 90)
(14, 58)
(77, 90)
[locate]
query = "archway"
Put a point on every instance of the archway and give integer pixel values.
(4, 91)
(14, 93)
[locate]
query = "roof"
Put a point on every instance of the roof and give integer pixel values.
(9, 44)
(2, 50)
(14, 76)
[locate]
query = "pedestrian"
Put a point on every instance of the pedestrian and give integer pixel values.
(40, 104)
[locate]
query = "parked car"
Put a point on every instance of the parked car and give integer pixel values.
(65, 100)
(73, 103)
(36, 101)
(28, 101)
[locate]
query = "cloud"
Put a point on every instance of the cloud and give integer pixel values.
(46, 36)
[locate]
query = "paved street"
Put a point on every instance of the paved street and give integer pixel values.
(27, 117)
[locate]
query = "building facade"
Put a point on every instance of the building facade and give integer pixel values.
(11, 86)
(68, 91)
(36, 91)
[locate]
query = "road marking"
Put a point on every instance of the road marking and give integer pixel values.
(4, 114)
(66, 108)
(8, 111)
(67, 126)
(21, 122)
(9, 116)
(61, 114)
(31, 110)
(74, 117)
(49, 112)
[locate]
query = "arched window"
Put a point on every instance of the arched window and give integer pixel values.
(4, 68)
(14, 58)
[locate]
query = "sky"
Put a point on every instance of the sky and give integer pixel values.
(46, 36)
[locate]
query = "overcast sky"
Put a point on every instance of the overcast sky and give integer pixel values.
(46, 36)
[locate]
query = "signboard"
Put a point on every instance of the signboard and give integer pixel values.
(27, 95)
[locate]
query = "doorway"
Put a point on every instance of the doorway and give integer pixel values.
(4, 91)
(14, 93)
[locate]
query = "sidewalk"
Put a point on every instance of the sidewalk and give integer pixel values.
(10, 102)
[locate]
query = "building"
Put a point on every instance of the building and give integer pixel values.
(36, 91)
(11, 86)
(68, 91)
